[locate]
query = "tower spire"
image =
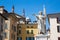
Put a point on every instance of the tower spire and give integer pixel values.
(13, 9)
(24, 12)
(44, 10)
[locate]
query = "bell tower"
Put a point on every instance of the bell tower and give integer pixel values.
(23, 12)
(13, 9)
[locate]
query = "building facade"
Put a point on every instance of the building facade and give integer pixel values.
(54, 21)
(2, 25)
(26, 31)
(10, 29)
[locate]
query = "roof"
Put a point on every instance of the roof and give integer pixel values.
(5, 11)
(3, 16)
(2, 6)
(12, 14)
(6, 14)
(54, 14)
(17, 15)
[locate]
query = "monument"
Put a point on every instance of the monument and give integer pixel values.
(41, 20)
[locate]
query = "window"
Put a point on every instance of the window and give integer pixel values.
(1, 20)
(27, 26)
(19, 31)
(1, 38)
(13, 36)
(1, 28)
(31, 31)
(58, 28)
(27, 31)
(13, 28)
(19, 38)
(58, 38)
(19, 26)
(31, 26)
(32, 38)
(58, 19)
(5, 26)
(5, 34)
(29, 38)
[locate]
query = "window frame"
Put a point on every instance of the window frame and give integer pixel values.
(27, 31)
(58, 38)
(58, 29)
(27, 26)
(58, 20)
(31, 31)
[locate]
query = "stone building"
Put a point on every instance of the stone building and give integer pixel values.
(10, 29)
(2, 25)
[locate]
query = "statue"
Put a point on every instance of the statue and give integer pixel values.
(41, 22)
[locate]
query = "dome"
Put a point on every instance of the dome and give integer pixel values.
(28, 19)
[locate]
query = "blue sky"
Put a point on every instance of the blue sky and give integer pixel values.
(31, 6)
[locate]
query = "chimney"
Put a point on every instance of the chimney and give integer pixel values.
(1, 9)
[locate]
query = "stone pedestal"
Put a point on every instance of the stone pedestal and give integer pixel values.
(42, 37)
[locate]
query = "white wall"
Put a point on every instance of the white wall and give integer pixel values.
(53, 28)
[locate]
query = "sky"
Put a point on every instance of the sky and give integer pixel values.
(32, 7)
